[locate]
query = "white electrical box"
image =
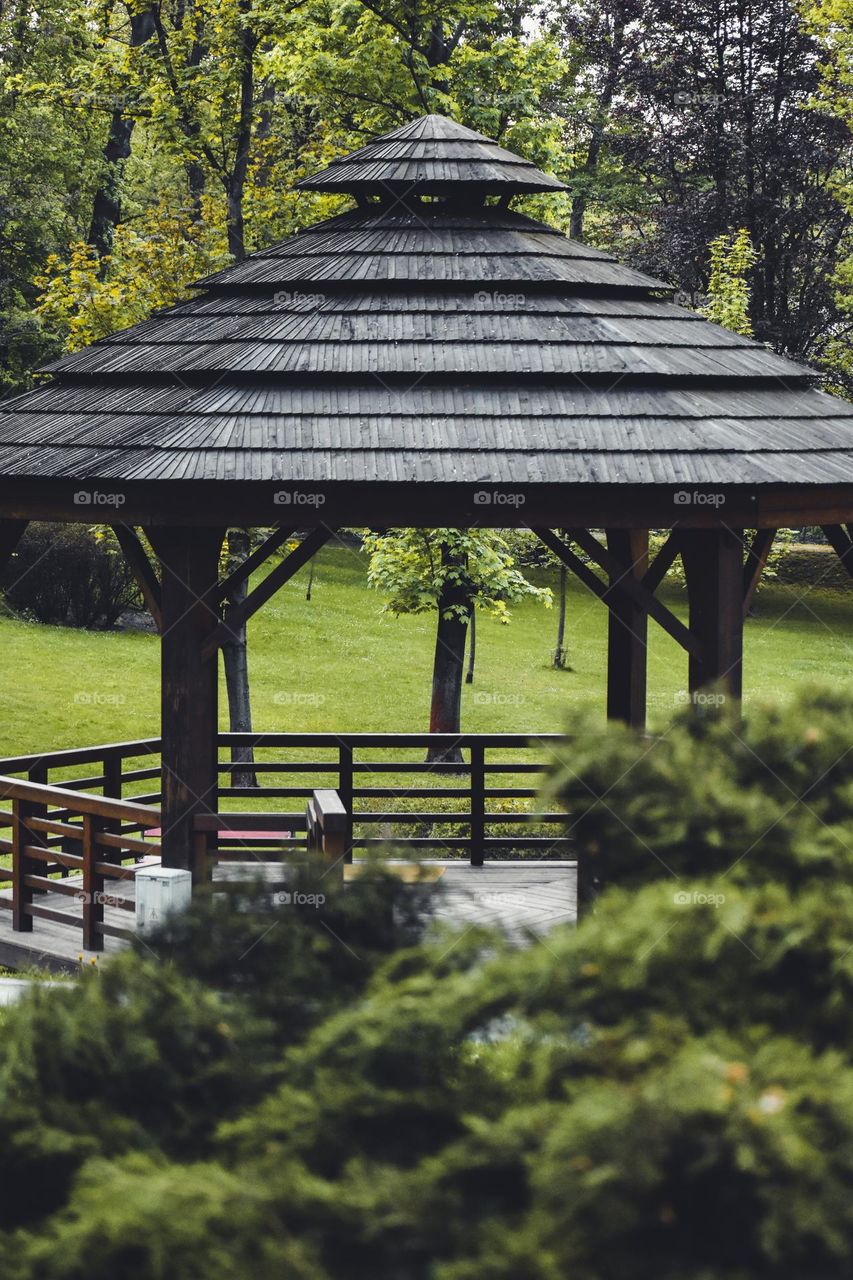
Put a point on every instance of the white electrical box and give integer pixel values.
(160, 891)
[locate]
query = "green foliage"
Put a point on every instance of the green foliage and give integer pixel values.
(664, 1092)
(69, 575)
(732, 258)
(769, 798)
(415, 568)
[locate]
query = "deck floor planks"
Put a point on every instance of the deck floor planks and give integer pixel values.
(517, 897)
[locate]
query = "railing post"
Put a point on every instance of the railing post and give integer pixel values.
(112, 770)
(93, 887)
(345, 790)
(325, 820)
(478, 803)
(22, 894)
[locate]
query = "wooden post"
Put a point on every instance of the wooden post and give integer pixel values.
(22, 894)
(93, 888)
(478, 804)
(713, 565)
(112, 764)
(189, 686)
(627, 633)
(345, 789)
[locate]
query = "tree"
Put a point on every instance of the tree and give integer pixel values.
(452, 572)
(732, 258)
(710, 127)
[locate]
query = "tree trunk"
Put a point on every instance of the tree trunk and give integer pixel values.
(560, 651)
(236, 184)
(235, 659)
(449, 665)
(472, 646)
(106, 204)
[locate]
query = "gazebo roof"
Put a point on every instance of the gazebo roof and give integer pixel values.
(415, 341)
(432, 155)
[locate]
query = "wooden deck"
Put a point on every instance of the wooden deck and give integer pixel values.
(516, 897)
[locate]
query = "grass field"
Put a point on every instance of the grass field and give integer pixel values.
(338, 663)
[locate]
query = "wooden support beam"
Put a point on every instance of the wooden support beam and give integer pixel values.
(625, 584)
(713, 564)
(143, 570)
(274, 580)
(663, 562)
(627, 634)
(755, 564)
(253, 562)
(10, 536)
(189, 727)
(839, 539)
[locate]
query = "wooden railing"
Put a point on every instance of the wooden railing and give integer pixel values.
(482, 806)
(379, 776)
(56, 831)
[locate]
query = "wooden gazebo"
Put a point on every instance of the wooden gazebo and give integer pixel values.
(429, 358)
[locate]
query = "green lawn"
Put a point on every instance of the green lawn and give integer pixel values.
(338, 663)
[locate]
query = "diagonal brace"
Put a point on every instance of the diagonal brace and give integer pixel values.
(622, 585)
(143, 570)
(839, 539)
(237, 614)
(757, 554)
(243, 571)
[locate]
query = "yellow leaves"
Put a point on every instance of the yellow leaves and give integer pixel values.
(732, 258)
(150, 266)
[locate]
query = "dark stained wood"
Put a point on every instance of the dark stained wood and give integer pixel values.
(143, 570)
(478, 803)
(840, 541)
(713, 564)
(326, 823)
(93, 889)
(662, 563)
(190, 560)
(621, 585)
(406, 504)
(252, 562)
(754, 565)
(21, 867)
(275, 579)
(627, 634)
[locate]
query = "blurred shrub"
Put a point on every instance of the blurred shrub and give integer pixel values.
(70, 575)
(664, 1092)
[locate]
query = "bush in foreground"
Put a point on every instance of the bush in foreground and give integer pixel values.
(665, 1092)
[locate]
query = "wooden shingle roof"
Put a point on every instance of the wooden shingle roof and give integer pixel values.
(431, 155)
(415, 341)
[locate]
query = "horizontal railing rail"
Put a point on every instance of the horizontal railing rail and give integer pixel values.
(91, 839)
(483, 804)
